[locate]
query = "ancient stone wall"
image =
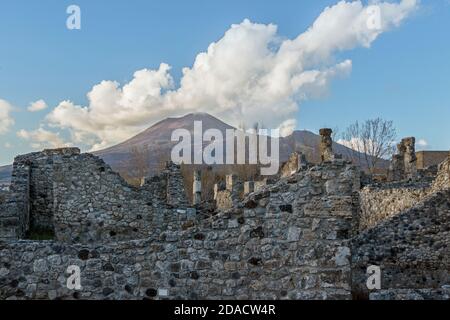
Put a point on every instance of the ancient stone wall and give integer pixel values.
(442, 180)
(382, 201)
(290, 240)
(411, 248)
(300, 237)
(412, 294)
(80, 199)
(427, 159)
(404, 163)
(295, 163)
(15, 208)
(228, 194)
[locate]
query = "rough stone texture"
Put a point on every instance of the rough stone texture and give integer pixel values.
(176, 193)
(287, 241)
(229, 196)
(297, 237)
(326, 145)
(295, 163)
(15, 207)
(80, 199)
(410, 158)
(411, 294)
(442, 180)
(382, 201)
(404, 163)
(411, 248)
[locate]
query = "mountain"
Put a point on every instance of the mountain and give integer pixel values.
(157, 140)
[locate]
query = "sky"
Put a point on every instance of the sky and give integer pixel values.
(288, 64)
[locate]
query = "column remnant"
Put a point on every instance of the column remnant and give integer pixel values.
(197, 188)
(326, 145)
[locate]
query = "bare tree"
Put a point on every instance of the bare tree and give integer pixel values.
(372, 140)
(335, 134)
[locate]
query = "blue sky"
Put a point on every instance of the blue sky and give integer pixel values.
(403, 76)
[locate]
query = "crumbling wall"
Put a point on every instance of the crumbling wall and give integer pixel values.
(404, 163)
(94, 204)
(411, 248)
(295, 163)
(228, 194)
(80, 199)
(442, 180)
(382, 201)
(15, 208)
(289, 240)
(176, 194)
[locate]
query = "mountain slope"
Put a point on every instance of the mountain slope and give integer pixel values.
(157, 139)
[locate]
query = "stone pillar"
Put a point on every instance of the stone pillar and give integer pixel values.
(197, 187)
(326, 145)
(410, 158)
(218, 187)
(216, 190)
(249, 187)
(230, 181)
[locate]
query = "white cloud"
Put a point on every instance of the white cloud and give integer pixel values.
(422, 144)
(37, 106)
(251, 74)
(287, 127)
(42, 138)
(8, 145)
(6, 121)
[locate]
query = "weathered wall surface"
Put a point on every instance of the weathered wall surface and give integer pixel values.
(382, 201)
(81, 200)
(412, 294)
(427, 159)
(15, 208)
(412, 248)
(442, 180)
(301, 237)
(287, 241)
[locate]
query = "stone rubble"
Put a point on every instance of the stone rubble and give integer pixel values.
(310, 233)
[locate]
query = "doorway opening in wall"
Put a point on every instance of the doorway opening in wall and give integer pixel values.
(40, 234)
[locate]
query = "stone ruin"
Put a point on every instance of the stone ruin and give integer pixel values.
(309, 233)
(326, 145)
(404, 163)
